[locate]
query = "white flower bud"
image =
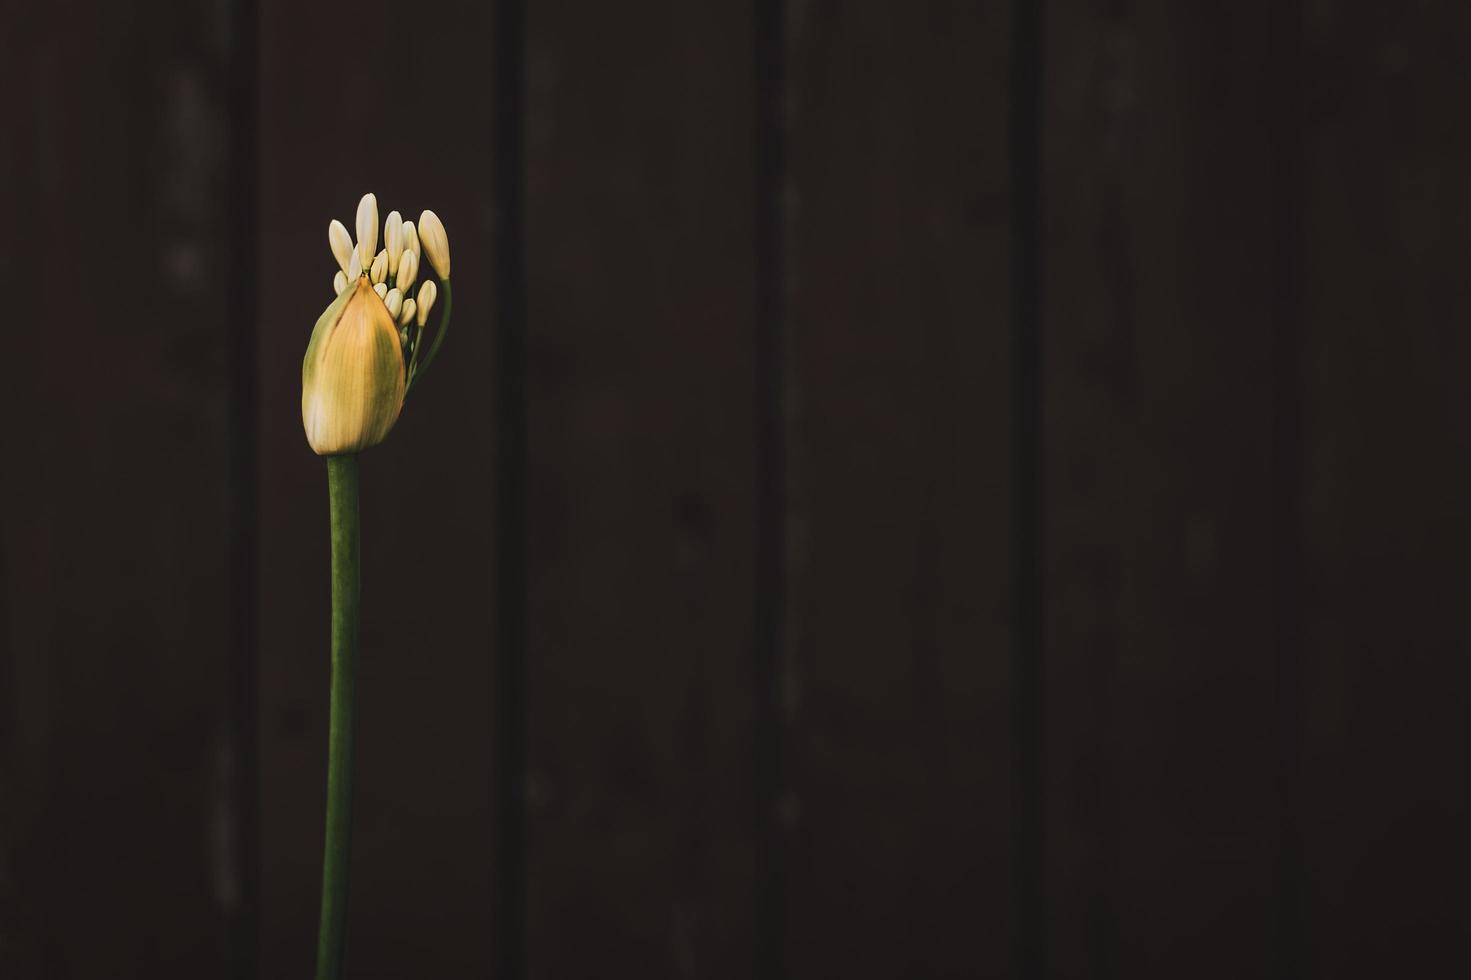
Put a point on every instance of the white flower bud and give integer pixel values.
(367, 225)
(411, 238)
(381, 289)
(341, 243)
(427, 294)
(393, 240)
(395, 302)
(407, 313)
(379, 270)
(354, 268)
(408, 271)
(435, 242)
(339, 282)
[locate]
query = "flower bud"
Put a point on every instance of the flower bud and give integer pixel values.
(394, 301)
(379, 271)
(341, 243)
(393, 240)
(367, 226)
(408, 271)
(339, 283)
(435, 243)
(354, 265)
(352, 378)
(381, 288)
(407, 313)
(411, 238)
(427, 294)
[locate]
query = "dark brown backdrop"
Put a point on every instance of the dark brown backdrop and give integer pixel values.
(914, 489)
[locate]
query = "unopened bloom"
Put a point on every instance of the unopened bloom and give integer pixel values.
(341, 243)
(359, 366)
(427, 294)
(352, 378)
(408, 271)
(393, 240)
(367, 225)
(435, 243)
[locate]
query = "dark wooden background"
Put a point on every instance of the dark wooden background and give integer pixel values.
(914, 489)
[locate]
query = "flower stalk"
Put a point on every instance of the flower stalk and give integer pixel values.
(342, 495)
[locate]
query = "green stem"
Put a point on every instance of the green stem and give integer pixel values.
(342, 492)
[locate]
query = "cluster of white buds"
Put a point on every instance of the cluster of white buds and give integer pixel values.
(365, 351)
(396, 265)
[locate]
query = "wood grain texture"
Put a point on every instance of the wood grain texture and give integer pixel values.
(641, 501)
(1162, 818)
(896, 681)
(1387, 476)
(399, 102)
(115, 634)
(1254, 441)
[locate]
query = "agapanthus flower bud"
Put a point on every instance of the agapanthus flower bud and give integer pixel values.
(379, 270)
(352, 378)
(435, 242)
(408, 271)
(427, 294)
(341, 243)
(407, 313)
(411, 239)
(394, 301)
(339, 283)
(367, 226)
(393, 240)
(381, 288)
(354, 265)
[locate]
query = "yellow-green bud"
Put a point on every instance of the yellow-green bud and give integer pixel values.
(352, 378)
(408, 271)
(394, 301)
(339, 283)
(407, 313)
(435, 242)
(427, 294)
(381, 288)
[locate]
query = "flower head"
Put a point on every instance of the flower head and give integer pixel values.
(364, 352)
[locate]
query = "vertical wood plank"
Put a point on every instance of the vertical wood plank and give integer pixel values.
(1161, 650)
(1387, 477)
(640, 331)
(897, 676)
(114, 642)
(240, 783)
(513, 544)
(399, 101)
